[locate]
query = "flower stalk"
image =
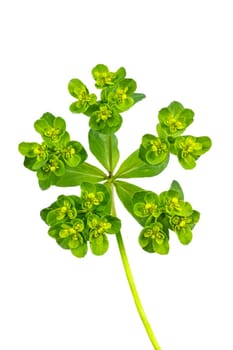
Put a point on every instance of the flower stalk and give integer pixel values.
(125, 261)
(134, 292)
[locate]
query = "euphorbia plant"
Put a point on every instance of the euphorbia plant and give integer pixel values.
(85, 220)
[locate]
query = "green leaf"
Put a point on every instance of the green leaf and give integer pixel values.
(133, 166)
(83, 173)
(104, 148)
(137, 97)
(126, 192)
(175, 186)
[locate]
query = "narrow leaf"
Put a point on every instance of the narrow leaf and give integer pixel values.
(83, 173)
(104, 148)
(133, 166)
(125, 192)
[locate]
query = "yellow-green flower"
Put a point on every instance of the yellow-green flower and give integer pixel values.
(105, 78)
(189, 148)
(153, 239)
(84, 100)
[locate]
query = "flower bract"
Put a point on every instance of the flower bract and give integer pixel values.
(84, 100)
(105, 78)
(174, 119)
(153, 150)
(189, 148)
(153, 239)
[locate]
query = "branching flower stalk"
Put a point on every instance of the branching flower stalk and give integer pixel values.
(126, 264)
(83, 222)
(132, 285)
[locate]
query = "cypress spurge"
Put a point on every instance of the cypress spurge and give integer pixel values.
(86, 220)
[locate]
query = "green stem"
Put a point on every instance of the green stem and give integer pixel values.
(131, 282)
(110, 155)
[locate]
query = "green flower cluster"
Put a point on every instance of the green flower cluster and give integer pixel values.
(56, 153)
(160, 213)
(117, 96)
(173, 121)
(74, 221)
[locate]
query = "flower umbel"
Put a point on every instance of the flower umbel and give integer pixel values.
(55, 154)
(74, 221)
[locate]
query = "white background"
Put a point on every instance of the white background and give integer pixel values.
(175, 50)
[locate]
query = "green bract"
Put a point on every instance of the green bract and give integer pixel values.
(121, 95)
(153, 150)
(183, 225)
(48, 172)
(63, 209)
(173, 205)
(98, 226)
(153, 239)
(73, 154)
(104, 118)
(78, 90)
(95, 196)
(190, 148)
(36, 154)
(146, 206)
(174, 119)
(105, 78)
(51, 128)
